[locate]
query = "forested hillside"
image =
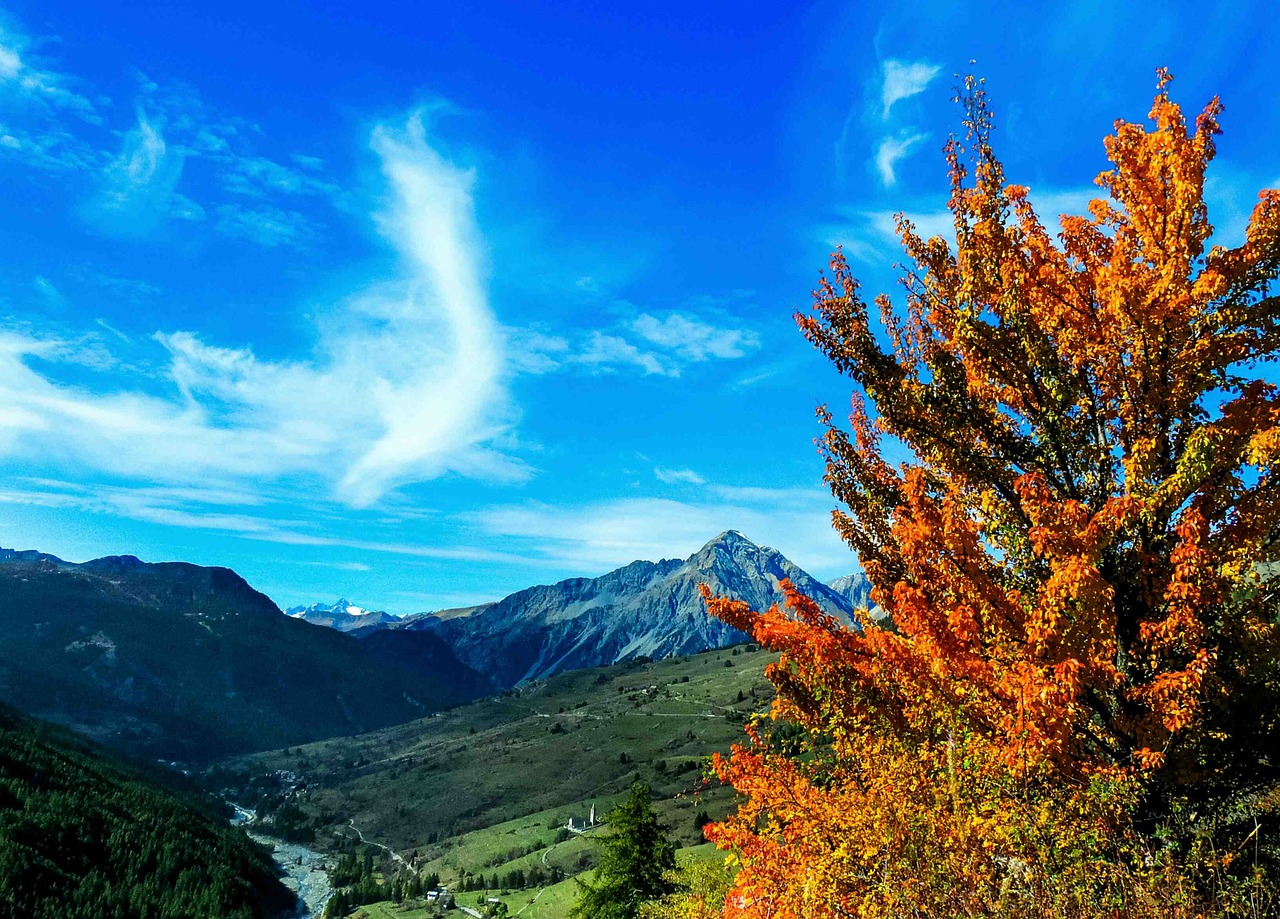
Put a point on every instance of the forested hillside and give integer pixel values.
(185, 662)
(83, 835)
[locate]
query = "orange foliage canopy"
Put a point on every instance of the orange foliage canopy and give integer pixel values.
(1077, 643)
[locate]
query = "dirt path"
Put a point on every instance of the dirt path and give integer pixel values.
(394, 854)
(540, 892)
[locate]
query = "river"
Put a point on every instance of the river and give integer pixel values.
(303, 869)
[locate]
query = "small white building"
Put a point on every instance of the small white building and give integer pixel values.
(574, 827)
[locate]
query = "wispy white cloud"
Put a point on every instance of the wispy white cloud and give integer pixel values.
(41, 112)
(678, 476)
(48, 148)
(443, 413)
(49, 292)
(222, 510)
(49, 125)
(606, 353)
(603, 535)
(405, 385)
(26, 78)
(114, 331)
(130, 290)
(266, 197)
(10, 61)
(139, 189)
(891, 150)
(255, 176)
(269, 227)
(768, 372)
(902, 80)
(657, 345)
(692, 339)
(339, 566)
(535, 352)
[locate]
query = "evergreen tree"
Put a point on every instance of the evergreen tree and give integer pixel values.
(634, 859)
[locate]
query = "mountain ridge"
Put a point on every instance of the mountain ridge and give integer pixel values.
(185, 662)
(644, 608)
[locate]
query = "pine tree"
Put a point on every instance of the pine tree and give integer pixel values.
(635, 859)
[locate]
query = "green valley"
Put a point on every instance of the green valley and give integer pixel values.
(481, 796)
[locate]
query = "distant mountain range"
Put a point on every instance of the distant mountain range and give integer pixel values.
(189, 663)
(342, 616)
(649, 609)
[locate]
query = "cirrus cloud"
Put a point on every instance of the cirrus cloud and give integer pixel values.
(904, 79)
(605, 534)
(404, 383)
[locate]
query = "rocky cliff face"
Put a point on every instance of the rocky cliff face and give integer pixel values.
(645, 608)
(855, 588)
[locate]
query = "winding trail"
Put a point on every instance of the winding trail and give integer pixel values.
(540, 892)
(394, 854)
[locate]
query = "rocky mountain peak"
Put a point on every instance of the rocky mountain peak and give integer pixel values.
(729, 538)
(344, 615)
(645, 608)
(731, 545)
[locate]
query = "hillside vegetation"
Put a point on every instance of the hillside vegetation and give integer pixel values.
(487, 789)
(82, 835)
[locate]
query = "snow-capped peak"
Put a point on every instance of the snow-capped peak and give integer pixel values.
(343, 615)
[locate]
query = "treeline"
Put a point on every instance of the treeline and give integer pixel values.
(515, 879)
(83, 835)
(356, 882)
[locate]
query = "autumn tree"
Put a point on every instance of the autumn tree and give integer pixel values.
(699, 888)
(1071, 708)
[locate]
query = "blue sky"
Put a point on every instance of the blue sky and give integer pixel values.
(420, 304)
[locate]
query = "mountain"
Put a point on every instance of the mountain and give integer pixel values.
(188, 663)
(84, 835)
(342, 616)
(415, 621)
(426, 653)
(649, 609)
(855, 588)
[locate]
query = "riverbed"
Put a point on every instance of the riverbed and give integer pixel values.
(302, 869)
